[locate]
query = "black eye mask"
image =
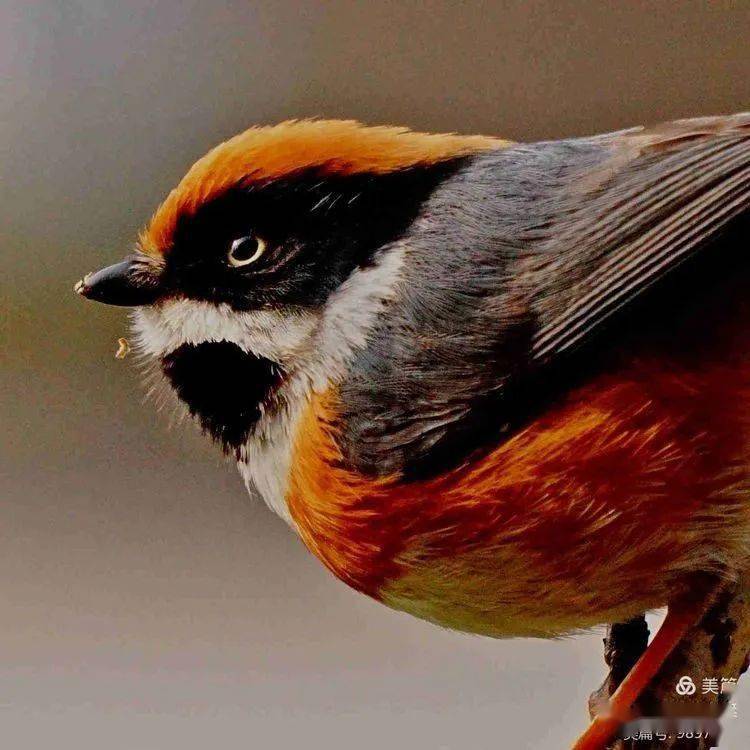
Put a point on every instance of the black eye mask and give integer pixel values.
(316, 231)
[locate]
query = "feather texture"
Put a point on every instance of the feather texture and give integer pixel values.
(639, 216)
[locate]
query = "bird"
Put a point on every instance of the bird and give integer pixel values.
(500, 386)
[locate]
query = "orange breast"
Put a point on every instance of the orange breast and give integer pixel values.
(595, 511)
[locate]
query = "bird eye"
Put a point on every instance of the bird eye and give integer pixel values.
(246, 250)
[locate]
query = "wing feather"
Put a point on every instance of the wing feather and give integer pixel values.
(660, 198)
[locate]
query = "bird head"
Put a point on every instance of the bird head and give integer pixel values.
(272, 256)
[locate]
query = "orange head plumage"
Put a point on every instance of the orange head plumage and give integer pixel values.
(331, 147)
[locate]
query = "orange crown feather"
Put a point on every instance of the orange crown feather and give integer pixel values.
(342, 147)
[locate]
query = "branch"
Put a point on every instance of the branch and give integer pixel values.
(718, 647)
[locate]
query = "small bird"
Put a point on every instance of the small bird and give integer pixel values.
(504, 387)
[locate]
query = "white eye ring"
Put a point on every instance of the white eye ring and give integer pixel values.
(237, 244)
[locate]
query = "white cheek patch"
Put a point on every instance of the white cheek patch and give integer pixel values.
(320, 344)
(281, 336)
(315, 349)
(350, 314)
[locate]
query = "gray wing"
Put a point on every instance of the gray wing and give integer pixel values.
(635, 218)
(519, 260)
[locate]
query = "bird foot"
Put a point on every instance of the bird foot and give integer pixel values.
(681, 617)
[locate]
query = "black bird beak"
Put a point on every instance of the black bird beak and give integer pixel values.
(128, 283)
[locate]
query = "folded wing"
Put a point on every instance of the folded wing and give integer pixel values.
(661, 197)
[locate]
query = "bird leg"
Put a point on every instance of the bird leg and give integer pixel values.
(624, 644)
(681, 617)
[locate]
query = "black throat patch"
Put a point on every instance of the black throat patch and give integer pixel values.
(224, 387)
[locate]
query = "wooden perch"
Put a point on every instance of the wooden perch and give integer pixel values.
(717, 648)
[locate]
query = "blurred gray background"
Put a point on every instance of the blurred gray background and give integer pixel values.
(146, 603)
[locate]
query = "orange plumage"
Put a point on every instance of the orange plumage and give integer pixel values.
(338, 147)
(593, 513)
